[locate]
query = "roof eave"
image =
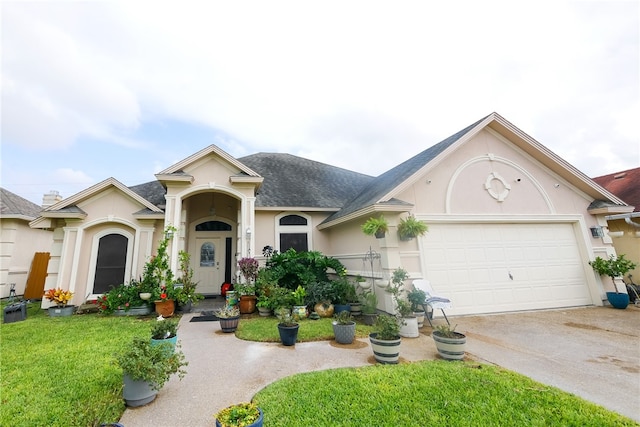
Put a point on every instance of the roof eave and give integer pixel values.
(369, 210)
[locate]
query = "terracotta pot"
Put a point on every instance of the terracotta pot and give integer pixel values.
(247, 304)
(165, 308)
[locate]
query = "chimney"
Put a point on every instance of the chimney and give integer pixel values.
(50, 199)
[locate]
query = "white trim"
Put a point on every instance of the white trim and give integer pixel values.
(279, 229)
(95, 244)
(493, 158)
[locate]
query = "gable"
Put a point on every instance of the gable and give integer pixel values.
(386, 191)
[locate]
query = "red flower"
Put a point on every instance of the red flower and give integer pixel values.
(163, 296)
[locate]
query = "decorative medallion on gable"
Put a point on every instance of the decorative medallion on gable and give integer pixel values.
(497, 187)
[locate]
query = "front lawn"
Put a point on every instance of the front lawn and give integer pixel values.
(60, 371)
(431, 393)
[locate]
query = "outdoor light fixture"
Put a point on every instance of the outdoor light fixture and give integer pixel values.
(169, 234)
(248, 233)
(596, 231)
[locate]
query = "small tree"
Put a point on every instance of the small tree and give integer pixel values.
(613, 267)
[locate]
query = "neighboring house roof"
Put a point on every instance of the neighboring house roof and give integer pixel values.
(14, 206)
(625, 185)
(291, 181)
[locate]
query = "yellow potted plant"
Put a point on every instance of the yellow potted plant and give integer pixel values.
(61, 299)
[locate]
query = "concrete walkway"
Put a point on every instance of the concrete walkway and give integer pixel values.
(592, 352)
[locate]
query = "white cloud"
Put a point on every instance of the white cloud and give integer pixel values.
(328, 80)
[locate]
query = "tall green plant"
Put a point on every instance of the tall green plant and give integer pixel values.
(291, 268)
(613, 267)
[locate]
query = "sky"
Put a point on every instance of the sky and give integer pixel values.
(124, 89)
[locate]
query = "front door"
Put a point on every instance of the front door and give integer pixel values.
(209, 264)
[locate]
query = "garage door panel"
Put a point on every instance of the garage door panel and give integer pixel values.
(489, 268)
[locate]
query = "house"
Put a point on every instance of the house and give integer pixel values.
(19, 242)
(624, 228)
(509, 221)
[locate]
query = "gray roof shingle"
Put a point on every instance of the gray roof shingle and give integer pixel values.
(295, 181)
(12, 204)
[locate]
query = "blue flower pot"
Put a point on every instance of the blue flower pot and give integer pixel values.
(618, 300)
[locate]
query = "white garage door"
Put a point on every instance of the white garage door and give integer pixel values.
(489, 268)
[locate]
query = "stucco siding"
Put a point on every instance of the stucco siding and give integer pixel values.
(18, 244)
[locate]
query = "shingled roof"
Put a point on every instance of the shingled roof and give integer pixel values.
(15, 206)
(152, 191)
(625, 185)
(295, 181)
(389, 180)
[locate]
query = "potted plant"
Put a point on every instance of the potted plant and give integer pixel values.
(417, 297)
(264, 304)
(146, 368)
(615, 268)
(243, 414)
(450, 344)
(410, 227)
(344, 328)
(369, 301)
(158, 276)
(408, 322)
(249, 268)
(319, 296)
(375, 227)
(342, 292)
(247, 295)
(164, 331)
(299, 307)
(385, 341)
(60, 298)
(287, 327)
(186, 295)
(229, 316)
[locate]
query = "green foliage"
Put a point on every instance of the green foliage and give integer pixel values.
(319, 292)
(285, 318)
(613, 267)
(157, 271)
(369, 301)
(343, 318)
(342, 291)
(187, 292)
(298, 296)
(387, 327)
(122, 297)
(404, 308)
(239, 415)
(416, 297)
(151, 363)
(227, 312)
(410, 227)
(375, 226)
(165, 328)
(447, 331)
(263, 329)
(291, 268)
(459, 394)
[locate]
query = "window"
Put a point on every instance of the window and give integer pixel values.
(293, 231)
(207, 255)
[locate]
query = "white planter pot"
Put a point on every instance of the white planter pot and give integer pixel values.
(385, 351)
(420, 316)
(451, 348)
(409, 327)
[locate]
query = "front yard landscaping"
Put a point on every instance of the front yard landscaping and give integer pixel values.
(62, 372)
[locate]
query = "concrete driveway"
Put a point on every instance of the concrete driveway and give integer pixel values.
(592, 352)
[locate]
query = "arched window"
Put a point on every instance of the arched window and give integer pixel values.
(293, 231)
(213, 226)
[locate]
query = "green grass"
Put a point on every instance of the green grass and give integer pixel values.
(60, 371)
(265, 329)
(435, 393)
